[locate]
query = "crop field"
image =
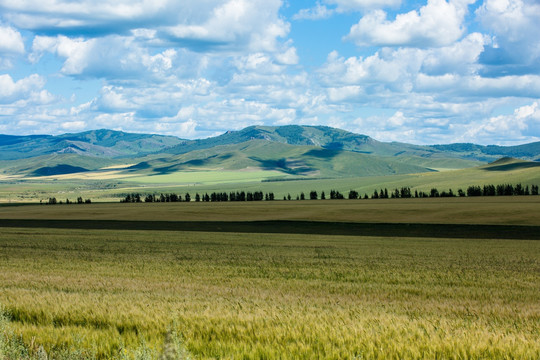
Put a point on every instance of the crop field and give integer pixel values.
(132, 294)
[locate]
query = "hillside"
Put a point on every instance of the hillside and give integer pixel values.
(97, 143)
(288, 159)
(285, 151)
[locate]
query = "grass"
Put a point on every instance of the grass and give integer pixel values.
(230, 296)
(206, 177)
(109, 188)
(504, 210)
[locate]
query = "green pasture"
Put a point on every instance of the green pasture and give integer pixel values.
(280, 184)
(205, 177)
(118, 294)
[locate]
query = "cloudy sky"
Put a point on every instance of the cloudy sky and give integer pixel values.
(421, 71)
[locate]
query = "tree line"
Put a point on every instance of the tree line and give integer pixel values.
(213, 197)
(403, 192)
(54, 201)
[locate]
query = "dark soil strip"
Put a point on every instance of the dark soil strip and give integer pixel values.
(297, 227)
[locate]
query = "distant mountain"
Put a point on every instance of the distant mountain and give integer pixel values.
(529, 151)
(292, 150)
(54, 164)
(321, 136)
(306, 160)
(337, 139)
(98, 143)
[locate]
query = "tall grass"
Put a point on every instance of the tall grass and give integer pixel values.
(12, 347)
(117, 294)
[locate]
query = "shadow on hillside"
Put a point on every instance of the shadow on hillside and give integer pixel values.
(324, 153)
(514, 166)
(178, 166)
(61, 169)
(292, 167)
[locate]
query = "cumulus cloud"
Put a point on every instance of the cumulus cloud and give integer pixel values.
(11, 90)
(393, 69)
(234, 23)
(438, 23)
(460, 57)
(11, 41)
(203, 25)
(516, 49)
(113, 57)
(83, 17)
(331, 7)
(523, 125)
(316, 13)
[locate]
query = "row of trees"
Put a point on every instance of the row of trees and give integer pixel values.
(403, 192)
(54, 201)
(213, 197)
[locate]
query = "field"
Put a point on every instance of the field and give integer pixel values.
(103, 186)
(129, 294)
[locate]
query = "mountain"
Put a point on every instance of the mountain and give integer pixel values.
(337, 139)
(97, 143)
(294, 150)
(306, 160)
(54, 164)
(486, 153)
(321, 136)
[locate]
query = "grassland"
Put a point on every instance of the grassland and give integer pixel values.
(109, 188)
(274, 296)
(504, 210)
(116, 294)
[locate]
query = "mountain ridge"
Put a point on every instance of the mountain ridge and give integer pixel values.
(294, 150)
(112, 144)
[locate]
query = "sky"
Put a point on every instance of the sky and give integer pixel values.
(416, 71)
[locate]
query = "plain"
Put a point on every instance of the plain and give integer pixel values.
(109, 294)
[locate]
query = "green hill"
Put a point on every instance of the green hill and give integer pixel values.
(307, 161)
(98, 143)
(54, 164)
(289, 151)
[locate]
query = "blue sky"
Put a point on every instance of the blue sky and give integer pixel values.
(420, 71)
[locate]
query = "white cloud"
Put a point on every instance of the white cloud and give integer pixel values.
(113, 57)
(208, 24)
(512, 19)
(77, 51)
(316, 13)
(288, 57)
(320, 11)
(11, 41)
(359, 5)
(460, 57)
(73, 125)
(439, 23)
(233, 24)
(521, 126)
(515, 26)
(70, 16)
(389, 69)
(11, 91)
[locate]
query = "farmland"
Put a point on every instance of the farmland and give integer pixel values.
(117, 293)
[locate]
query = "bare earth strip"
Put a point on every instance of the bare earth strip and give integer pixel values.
(296, 227)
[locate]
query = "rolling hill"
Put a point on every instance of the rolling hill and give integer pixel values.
(292, 151)
(307, 160)
(96, 143)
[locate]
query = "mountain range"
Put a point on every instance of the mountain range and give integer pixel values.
(292, 150)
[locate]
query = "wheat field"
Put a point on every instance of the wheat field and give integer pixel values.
(75, 294)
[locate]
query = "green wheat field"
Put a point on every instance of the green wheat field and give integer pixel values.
(152, 294)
